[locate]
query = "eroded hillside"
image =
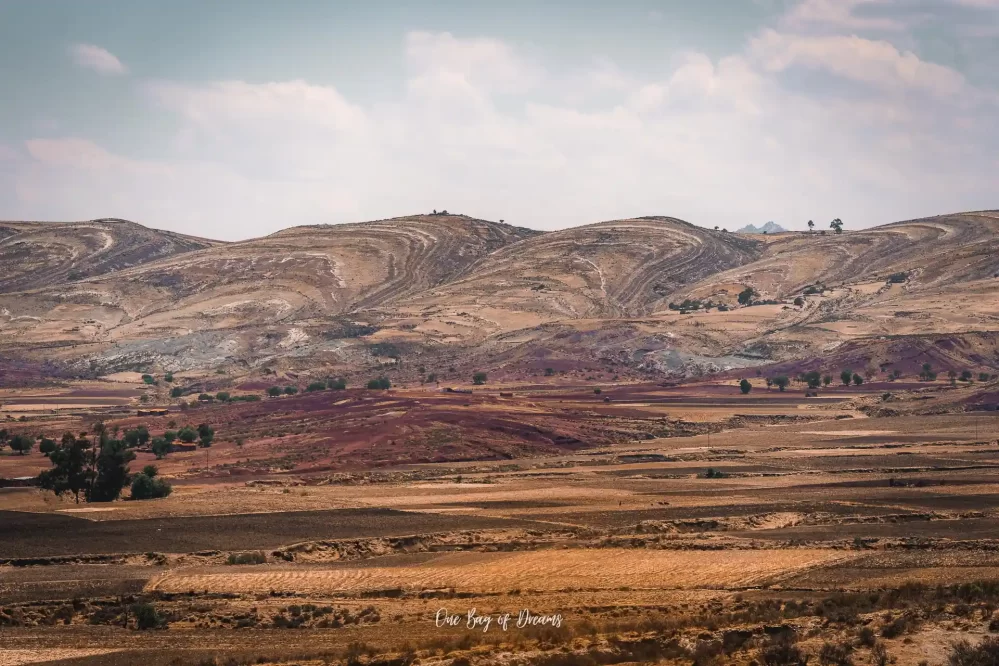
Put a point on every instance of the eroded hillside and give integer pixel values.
(647, 295)
(43, 254)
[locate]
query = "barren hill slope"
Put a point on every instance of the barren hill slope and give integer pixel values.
(934, 252)
(41, 254)
(452, 291)
(609, 270)
(295, 274)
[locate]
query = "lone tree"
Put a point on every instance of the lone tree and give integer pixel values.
(811, 225)
(846, 377)
(22, 443)
(161, 447)
(479, 378)
(745, 386)
(746, 296)
(836, 225)
(813, 378)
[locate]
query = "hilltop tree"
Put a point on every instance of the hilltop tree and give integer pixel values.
(836, 225)
(745, 386)
(846, 377)
(811, 225)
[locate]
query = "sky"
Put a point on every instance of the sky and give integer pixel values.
(234, 119)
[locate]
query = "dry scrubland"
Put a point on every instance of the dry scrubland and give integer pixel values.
(851, 522)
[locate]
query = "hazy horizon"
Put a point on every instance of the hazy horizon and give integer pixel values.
(237, 119)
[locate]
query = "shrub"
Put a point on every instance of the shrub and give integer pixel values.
(254, 557)
(783, 653)
(222, 396)
(146, 616)
(148, 379)
(713, 473)
(746, 296)
(781, 382)
(597, 391)
(898, 278)
(290, 390)
(381, 383)
(176, 392)
(745, 386)
(800, 302)
(966, 376)
(168, 377)
(836, 654)
(206, 397)
(866, 637)
(879, 655)
(274, 391)
(337, 384)
(549, 372)
(985, 653)
(145, 487)
(479, 378)
(316, 386)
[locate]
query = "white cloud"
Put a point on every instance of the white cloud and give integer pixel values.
(476, 129)
(96, 58)
(864, 60)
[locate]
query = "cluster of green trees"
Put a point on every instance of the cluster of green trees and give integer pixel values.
(94, 468)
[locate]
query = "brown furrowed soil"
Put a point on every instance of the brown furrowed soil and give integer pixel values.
(657, 536)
